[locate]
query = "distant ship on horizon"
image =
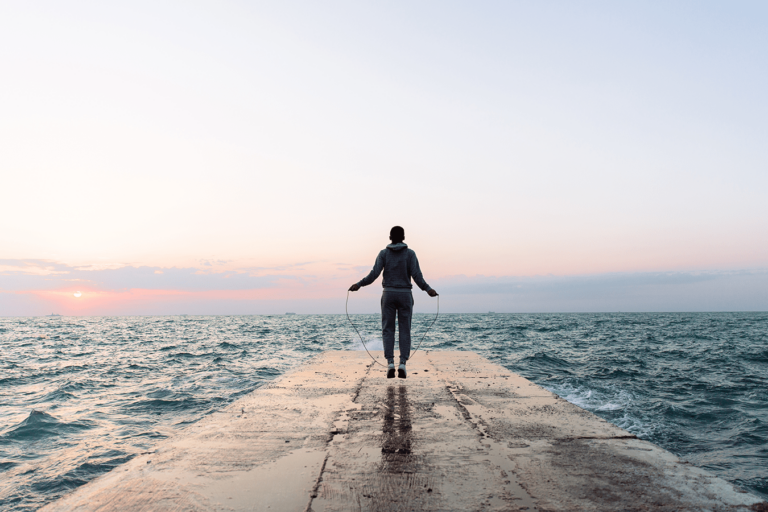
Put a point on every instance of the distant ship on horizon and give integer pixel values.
(53, 314)
(290, 313)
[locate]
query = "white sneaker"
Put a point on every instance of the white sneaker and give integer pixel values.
(391, 371)
(401, 371)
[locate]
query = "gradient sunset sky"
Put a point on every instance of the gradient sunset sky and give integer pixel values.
(250, 157)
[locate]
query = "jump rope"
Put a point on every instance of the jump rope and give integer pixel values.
(417, 347)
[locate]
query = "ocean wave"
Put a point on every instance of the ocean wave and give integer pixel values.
(162, 406)
(5, 465)
(40, 424)
(546, 360)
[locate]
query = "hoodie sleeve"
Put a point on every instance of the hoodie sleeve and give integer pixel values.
(416, 273)
(378, 266)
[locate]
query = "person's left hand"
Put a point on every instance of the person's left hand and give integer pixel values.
(354, 287)
(432, 293)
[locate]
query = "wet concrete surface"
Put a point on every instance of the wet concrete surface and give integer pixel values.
(459, 434)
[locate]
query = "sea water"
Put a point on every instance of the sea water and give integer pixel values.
(79, 396)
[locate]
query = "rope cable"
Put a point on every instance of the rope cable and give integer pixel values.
(437, 313)
(363, 341)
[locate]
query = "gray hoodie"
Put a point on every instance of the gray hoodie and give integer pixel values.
(399, 264)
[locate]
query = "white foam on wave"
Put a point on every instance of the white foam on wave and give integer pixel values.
(610, 407)
(636, 426)
(610, 400)
(372, 342)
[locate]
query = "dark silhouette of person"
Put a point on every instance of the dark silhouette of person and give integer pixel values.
(399, 264)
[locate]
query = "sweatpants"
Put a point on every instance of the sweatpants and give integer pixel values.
(398, 304)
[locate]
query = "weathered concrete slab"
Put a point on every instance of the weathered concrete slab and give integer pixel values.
(459, 434)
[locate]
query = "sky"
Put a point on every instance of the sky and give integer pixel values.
(251, 157)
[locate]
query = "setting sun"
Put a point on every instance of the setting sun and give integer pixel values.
(77, 294)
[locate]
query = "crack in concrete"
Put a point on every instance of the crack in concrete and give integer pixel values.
(502, 463)
(360, 385)
(464, 411)
(313, 494)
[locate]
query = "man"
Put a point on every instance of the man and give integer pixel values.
(399, 264)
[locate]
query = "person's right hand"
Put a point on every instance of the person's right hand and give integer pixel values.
(432, 293)
(354, 287)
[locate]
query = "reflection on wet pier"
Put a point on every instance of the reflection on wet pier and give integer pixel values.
(396, 439)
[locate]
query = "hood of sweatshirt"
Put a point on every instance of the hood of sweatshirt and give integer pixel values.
(397, 247)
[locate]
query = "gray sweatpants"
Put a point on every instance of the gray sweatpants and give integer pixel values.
(400, 304)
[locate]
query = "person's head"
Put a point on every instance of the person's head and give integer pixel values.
(397, 234)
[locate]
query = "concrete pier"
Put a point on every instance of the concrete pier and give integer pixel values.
(460, 433)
